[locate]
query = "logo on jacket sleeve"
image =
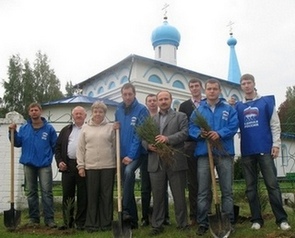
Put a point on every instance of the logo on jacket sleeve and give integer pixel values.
(133, 121)
(225, 115)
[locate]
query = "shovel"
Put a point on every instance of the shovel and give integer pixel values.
(12, 217)
(120, 230)
(219, 223)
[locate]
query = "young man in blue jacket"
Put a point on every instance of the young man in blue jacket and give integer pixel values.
(130, 113)
(260, 144)
(223, 120)
(37, 139)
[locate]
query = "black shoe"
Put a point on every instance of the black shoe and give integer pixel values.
(167, 222)
(106, 228)
(134, 225)
(184, 228)
(156, 231)
(92, 230)
(127, 217)
(202, 230)
(80, 228)
(145, 223)
(51, 224)
(62, 228)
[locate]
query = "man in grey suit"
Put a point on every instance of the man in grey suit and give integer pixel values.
(173, 130)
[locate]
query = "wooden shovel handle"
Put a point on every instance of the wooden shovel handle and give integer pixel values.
(213, 178)
(12, 166)
(118, 158)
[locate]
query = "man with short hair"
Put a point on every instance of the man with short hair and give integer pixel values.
(223, 121)
(173, 131)
(260, 145)
(187, 107)
(129, 114)
(37, 139)
(72, 183)
(146, 189)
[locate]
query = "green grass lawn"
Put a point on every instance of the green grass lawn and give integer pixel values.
(269, 230)
(242, 229)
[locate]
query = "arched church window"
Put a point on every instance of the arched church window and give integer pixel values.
(178, 84)
(100, 90)
(124, 80)
(155, 79)
(111, 85)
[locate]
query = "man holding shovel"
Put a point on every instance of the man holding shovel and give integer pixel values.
(129, 114)
(37, 139)
(223, 122)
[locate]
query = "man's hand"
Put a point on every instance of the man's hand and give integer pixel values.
(152, 147)
(82, 172)
(213, 135)
(126, 160)
(275, 152)
(12, 126)
(161, 139)
(116, 125)
(62, 166)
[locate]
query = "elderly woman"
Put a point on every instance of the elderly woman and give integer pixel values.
(96, 161)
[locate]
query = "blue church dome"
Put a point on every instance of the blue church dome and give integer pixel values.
(165, 34)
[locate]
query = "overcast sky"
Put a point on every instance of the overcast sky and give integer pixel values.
(83, 37)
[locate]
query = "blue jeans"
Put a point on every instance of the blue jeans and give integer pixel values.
(32, 174)
(269, 173)
(129, 203)
(224, 167)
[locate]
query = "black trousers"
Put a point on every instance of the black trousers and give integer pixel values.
(73, 185)
(100, 188)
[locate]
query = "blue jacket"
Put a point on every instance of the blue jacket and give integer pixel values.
(37, 145)
(130, 143)
(223, 120)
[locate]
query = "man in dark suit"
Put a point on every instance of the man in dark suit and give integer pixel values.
(173, 128)
(72, 183)
(187, 107)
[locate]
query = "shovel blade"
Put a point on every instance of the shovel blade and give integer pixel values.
(219, 225)
(121, 229)
(12, 218)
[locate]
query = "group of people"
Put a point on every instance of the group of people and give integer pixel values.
(85, 154)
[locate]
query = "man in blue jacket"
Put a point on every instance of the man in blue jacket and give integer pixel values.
(129, 114)
(37, 139)
(223, 120)
(260, 145)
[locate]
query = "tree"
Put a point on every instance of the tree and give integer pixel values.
(70, 89)
(26, 85)
(28, 93)
(13, 89)
(287, 111)
(47, 85)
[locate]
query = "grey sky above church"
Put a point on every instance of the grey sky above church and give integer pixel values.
(83, 37)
